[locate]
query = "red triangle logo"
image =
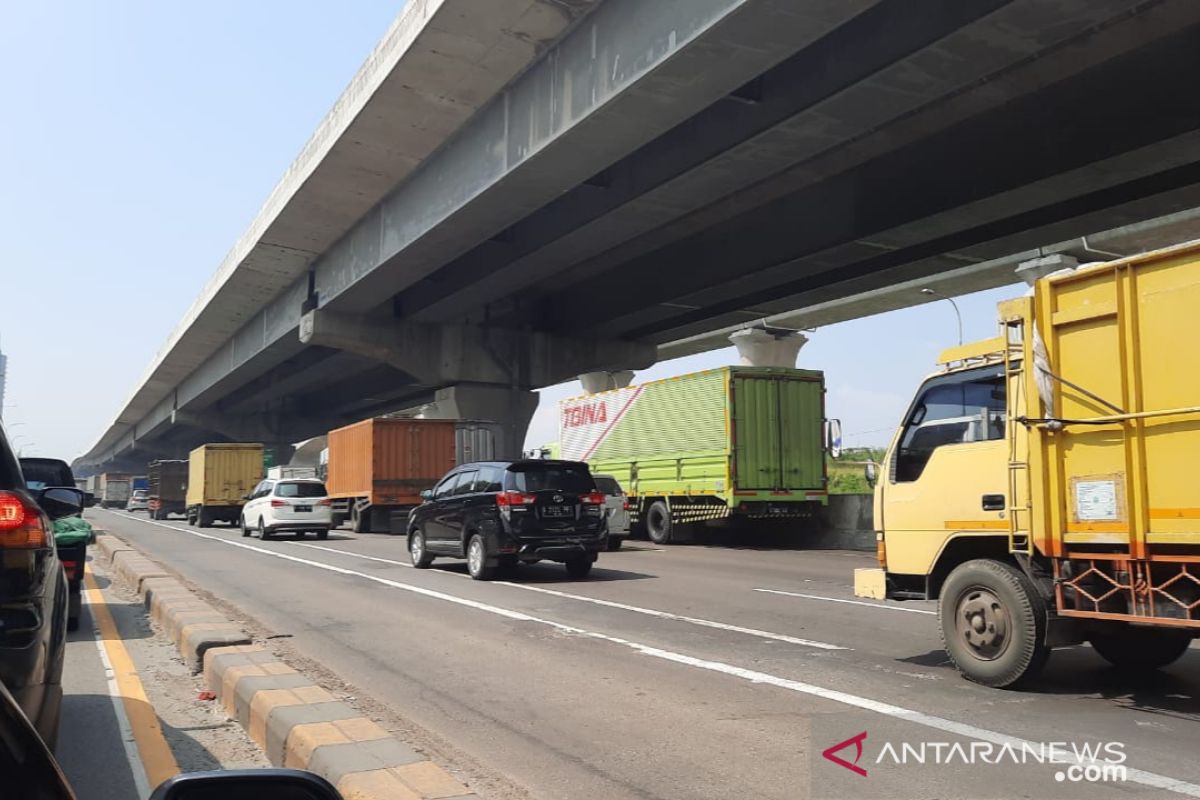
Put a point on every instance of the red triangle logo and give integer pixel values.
(857, 741)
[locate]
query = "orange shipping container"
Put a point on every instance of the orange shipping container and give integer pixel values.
(389, 461)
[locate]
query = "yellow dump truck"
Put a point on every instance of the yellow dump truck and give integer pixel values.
(1042, 485)
(219, 478)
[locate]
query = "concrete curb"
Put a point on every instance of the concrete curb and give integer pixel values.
(296, 723)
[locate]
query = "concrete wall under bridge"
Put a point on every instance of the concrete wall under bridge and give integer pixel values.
(846, 524)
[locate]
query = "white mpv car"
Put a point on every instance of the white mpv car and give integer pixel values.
(295, 505)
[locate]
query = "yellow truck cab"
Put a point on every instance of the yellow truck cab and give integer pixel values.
(1041, 485)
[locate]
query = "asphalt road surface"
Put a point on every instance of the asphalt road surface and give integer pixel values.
(692, 672)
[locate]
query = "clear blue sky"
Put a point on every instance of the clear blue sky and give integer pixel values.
(140, 139)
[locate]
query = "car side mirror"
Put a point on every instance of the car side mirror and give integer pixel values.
(247, 497)
(427, 495)
(247, 784)
(871, 473)
(59, 502)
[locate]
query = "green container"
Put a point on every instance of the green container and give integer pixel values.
(735, 436)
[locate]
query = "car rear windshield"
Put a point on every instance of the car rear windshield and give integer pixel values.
(43, 472)
(140, 494)
(548, 478)
(609, 486)
(287, 489)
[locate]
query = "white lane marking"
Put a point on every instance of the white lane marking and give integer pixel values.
(1151, 779)
(650, 612)
(848, 602)
(128, 741)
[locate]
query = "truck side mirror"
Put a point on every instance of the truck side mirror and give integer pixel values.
(871, 473)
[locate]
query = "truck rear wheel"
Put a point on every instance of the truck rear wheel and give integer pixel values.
(993, 623)
(658, 522)
(1136, 649)
(361, 520)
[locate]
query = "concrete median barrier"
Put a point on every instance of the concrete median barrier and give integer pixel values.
(296, 722)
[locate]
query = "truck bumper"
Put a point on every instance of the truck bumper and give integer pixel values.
(871, 583)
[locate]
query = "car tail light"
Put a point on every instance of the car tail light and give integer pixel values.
(20, 523)
(628, 506)
(280, 504)
(506, 500)
(592, 499)
(325, 502)
(515, 499)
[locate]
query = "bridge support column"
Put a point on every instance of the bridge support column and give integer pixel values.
(509, 409)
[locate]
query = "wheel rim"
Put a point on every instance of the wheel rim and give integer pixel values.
(417, 548)
(475, 556)
(982, 623)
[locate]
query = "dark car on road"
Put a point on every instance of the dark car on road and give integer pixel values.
(33, 593)
(499, 514)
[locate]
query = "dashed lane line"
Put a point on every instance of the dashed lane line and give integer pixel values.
(847, 602)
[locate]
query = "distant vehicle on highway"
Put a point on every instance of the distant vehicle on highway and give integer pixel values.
(168, 487)
(139, 500)
(295, 506)
(500, 514)
(219, 477)
(375, 468)
(31, 771)
(33, 592)
(617, 503)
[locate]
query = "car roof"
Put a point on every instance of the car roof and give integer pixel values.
(525, 462)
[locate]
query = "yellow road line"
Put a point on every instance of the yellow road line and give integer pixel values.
(156, 755)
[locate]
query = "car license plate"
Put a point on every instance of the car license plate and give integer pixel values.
(558, 512)
(302, 508)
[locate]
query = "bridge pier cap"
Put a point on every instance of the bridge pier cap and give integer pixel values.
(510, 409)
(604, 380)
(768, 347)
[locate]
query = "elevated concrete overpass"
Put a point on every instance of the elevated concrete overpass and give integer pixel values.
(513, 193)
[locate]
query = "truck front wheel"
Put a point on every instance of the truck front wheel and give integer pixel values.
(993, 623)
(1140, 649)
(658, 522)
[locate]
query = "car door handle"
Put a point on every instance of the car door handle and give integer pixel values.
(993, 502)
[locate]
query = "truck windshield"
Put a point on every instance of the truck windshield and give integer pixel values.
(955, 409)
(557, 477)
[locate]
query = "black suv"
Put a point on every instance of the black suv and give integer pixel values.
(33, 593)
(499, 513)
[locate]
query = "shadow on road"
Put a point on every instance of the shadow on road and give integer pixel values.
(552, 573)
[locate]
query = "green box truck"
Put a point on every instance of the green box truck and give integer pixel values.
(734, 441)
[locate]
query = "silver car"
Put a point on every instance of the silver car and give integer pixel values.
(139, 500)
(617, 503)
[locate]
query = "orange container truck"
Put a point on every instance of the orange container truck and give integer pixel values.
(380, 466)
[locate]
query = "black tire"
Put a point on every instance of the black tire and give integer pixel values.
(360, 521)
(614, 543)
(203, 518)
(323, 534)
(993, 623)
(658, 523)
(579, 568)
(242, 522)
(263, 533)
(478, 567)
(74, 610)
(191, 517)
(417, 552)
(1133, 649)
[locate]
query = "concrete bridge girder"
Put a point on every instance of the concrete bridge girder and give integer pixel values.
(446, 354)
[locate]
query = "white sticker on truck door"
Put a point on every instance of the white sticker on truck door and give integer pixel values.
(1097, 500)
